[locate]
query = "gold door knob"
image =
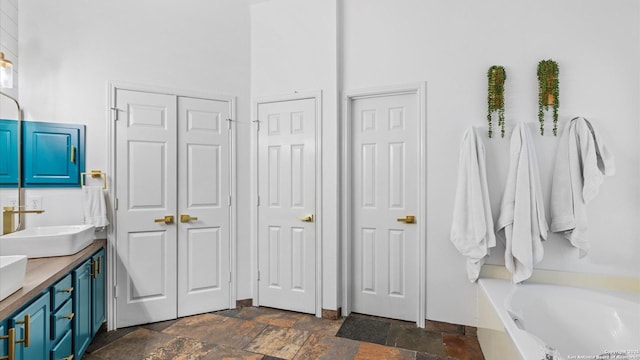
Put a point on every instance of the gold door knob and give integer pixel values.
(167, 219)
(70, 316)
(307, 218)
(186, 218)
(409, 219)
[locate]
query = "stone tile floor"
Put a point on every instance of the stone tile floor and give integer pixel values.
(265, 333)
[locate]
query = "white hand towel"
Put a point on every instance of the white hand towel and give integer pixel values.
(94, 207)
(472, 226)
(522, 216)
(582, 161)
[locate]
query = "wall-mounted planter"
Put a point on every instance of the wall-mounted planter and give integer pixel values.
(496, 76)
(548, 92)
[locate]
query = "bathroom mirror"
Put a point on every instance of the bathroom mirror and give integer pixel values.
(10, 191)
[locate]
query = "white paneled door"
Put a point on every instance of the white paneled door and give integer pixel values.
(172, 191)
(384, 190)
(287, 205)
(203, 206)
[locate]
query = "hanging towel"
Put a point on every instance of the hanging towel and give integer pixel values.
(582, 161)
(94, 207)
(522, 216)
(472, 226)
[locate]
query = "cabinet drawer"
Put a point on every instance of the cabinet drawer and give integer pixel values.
(63, 349)
(62, 291)
(61, 320)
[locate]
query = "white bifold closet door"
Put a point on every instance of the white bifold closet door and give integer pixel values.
(173, 206)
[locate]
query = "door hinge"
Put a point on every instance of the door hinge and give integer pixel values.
(257, 123)
(115, 291)
(115, 110)
(229, 200)
(258, 200)
(229, 121)
(115, 205)
(229, 276)
(258, 275)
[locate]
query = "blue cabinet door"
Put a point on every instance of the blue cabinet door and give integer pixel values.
(3, 342)
(98, 292)
(53, 154)
(82, 308)
(8, 153)
(36, 318)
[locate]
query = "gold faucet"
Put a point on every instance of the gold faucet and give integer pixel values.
(8, 225)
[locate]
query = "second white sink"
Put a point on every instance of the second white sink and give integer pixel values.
(12, 271)
(45, 241)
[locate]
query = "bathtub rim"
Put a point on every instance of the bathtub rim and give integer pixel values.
(498, 291)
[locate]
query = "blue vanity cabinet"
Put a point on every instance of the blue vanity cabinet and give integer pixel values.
(64, 318)
(82, 307)
(32, 328)
(8, 154)
(53, 154)
(98, 283)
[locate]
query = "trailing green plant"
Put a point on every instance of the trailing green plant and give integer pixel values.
(496, 76)
(548, 92)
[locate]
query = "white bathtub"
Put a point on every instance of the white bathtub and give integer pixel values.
(566, 322)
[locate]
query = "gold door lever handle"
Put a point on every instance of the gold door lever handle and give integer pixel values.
(307, 218)
(167, 220)
(409, 219)
(186, 218)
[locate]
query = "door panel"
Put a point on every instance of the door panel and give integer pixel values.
(146, 187)
(203, 193)
(384, 188)
(287, 191)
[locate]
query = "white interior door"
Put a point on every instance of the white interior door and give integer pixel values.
(384, 192)
(173, 215)
(204, 205)
(287, 193)
(146, 192)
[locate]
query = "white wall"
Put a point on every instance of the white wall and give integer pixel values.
(451, 44)
(70, 50)
(293, 48)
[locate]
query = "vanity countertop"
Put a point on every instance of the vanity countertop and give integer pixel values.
(44, 272)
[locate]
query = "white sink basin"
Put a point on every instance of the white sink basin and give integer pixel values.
(12, 270)
(44, 241)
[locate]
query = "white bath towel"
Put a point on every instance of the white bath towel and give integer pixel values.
(94, 207)
(522, 217)
(582, 161)
(472, 227)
